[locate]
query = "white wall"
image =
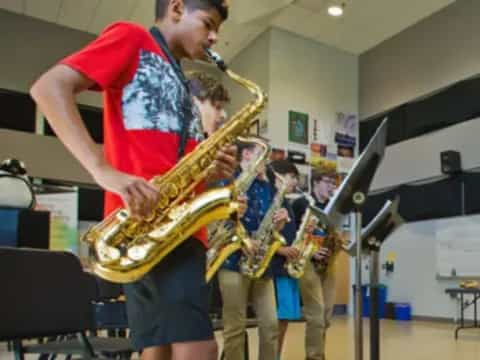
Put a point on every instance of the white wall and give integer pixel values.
(308, 77)
(251, 63)
(419, 158)
(29, 47)
(436, 52)
(414, 279)
(297, 74)
(430, 55)
(44, 156)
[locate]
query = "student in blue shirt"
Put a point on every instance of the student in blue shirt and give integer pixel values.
(237, 288)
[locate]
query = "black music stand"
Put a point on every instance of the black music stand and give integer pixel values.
(349, 199)
(373, 236)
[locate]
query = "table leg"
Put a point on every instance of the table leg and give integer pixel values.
(475, 322)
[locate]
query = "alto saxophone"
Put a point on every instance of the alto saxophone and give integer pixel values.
(334, 242)
(269, 239)
(230, 236)
(306, 243)
(124, 249)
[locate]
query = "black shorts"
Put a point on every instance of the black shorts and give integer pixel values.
(170, 304)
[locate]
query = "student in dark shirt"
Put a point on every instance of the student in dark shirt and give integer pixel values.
(317, 290)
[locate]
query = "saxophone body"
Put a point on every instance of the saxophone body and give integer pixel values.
(269, 240)
(229, 235)
(123, 249)
(335, 243)
(306, 243)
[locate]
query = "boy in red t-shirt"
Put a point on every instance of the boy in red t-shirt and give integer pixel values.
(149, 123)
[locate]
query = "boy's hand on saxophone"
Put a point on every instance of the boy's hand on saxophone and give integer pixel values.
(290, 252)
(322, 254)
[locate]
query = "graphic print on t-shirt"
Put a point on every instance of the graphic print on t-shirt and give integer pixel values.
(156, 99)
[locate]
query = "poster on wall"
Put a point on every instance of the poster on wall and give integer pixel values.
(298, 127)
(323, 132)
(346, 129)
(323, 157)
(346, 139)
(63, 206)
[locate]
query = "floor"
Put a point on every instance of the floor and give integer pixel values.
(414, 340)
(399, 340)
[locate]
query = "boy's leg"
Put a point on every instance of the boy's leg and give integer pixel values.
(282, 330)
(329, 293)
(234, 288)
(195, 350)
(157, 353)
(263, 298)
(314, 312)
(169, 305)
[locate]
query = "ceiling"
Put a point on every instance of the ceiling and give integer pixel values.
(365, 24)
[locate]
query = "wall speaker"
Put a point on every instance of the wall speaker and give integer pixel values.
(450, 162)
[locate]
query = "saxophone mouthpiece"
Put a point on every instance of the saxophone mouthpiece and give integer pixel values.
(215, 58)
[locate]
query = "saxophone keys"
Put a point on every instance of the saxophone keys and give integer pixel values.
(172, 190)
(178, 212)
(140, 250)
(106, 254)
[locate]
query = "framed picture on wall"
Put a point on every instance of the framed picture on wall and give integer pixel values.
(298, 127)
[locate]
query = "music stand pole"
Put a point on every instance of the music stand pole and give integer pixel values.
(356, 217)
(374, 308)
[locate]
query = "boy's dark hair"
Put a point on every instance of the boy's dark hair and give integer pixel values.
(206, 87)
(242, 146)
(281, 167)
(220, 5)
(284, 167)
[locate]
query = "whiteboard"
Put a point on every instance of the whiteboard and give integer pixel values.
(458, 246)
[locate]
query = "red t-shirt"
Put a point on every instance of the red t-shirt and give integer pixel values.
(144, 100)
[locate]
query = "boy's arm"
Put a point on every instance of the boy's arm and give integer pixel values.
(55, 94)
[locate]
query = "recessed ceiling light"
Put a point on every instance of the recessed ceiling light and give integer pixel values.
(335, 10)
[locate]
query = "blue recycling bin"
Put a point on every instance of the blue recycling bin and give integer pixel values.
(382, 300)
(403, 312)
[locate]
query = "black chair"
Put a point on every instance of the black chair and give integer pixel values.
(47, 295)
(110, 308)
